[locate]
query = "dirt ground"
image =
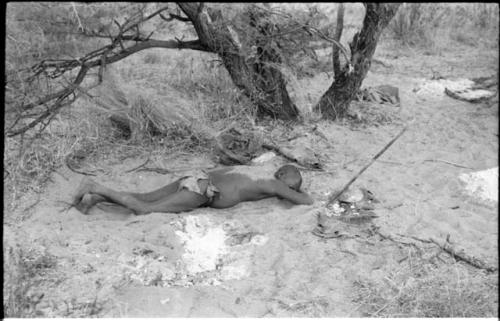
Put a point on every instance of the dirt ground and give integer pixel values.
(262, 259)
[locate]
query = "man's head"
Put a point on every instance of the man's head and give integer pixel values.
(289, 175)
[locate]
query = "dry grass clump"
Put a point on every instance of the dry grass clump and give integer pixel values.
(29, 273)
(420, 289)
(76, 137)
(24, 271)
(436, 26)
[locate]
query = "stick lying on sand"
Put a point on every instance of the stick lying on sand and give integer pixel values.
(462, 256)
(374, 158)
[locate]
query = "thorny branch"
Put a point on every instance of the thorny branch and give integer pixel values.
(314, 30)
(43, 109)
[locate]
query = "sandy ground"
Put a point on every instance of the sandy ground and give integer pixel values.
(263, 259)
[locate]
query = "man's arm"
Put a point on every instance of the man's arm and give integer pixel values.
(280, 189)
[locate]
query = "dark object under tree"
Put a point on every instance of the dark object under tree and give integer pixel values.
(347, 82)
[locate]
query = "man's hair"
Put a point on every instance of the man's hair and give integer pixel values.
(289, 175)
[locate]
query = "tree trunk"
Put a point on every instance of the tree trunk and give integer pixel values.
(260, 80)
(336, 99)
(263, 84)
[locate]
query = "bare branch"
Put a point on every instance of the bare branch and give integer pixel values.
(173, 16)
(61, 95)
(60, 102)
(338, 35)
(80, 26)
(45, 108)
(313, 30)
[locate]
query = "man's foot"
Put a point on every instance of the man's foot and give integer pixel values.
(84, 188)
(84, 206)
(88, 200)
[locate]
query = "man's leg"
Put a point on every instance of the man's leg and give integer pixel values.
(158, 194)
(89, 200)
(146, 197)
(177, 202)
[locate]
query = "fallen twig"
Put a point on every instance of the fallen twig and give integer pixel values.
(392, 239)
(133, 222)
(136, 168)
(390, 162)
(462, 256)
(446, 162)
(393, 206)
(158, 170)
(295, 137)
(67, 207)
(33, 205)
(447, 247)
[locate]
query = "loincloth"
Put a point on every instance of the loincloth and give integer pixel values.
(190, 183)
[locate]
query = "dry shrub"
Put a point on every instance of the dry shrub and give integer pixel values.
(435, 25)
(24, 271)
(421, 289)
(30, 160)
(141, 113)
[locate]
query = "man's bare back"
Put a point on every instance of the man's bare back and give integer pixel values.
(221, 188)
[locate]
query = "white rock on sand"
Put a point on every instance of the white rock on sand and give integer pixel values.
(482, 184)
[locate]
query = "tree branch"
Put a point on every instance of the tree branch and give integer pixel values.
(462, 256)
(338, 35)
(71, 64)
(60, 102)
(152, 43)
(173, 16)
(313, 30)
(108, 54)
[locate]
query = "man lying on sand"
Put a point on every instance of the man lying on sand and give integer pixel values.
(220, 188)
